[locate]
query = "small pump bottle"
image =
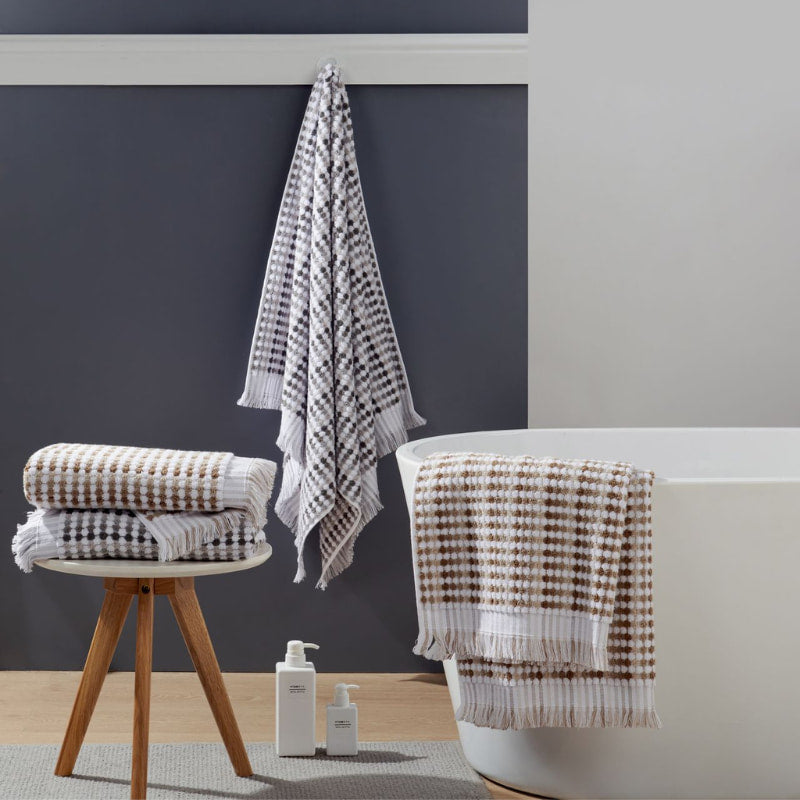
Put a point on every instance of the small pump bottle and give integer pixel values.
(342, 738)
(295, 702)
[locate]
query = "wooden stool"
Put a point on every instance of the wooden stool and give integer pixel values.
(145, 579)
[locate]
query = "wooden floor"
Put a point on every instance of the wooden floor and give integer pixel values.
(394, 706)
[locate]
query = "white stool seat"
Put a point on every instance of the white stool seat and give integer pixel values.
(132, 568)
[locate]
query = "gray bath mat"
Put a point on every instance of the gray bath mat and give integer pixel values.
(419, 770)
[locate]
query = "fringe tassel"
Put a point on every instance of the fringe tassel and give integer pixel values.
(428, 647)
(263, 476)
(448, 643)
(32, 542)
(177, 535)
(262, 389)
(338, 564)
(392, 426)
(342, 557)
(505, 718)
(575, 702)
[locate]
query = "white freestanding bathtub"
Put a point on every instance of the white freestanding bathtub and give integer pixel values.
(726, 526)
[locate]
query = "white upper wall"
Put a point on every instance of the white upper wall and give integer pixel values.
(665, 212)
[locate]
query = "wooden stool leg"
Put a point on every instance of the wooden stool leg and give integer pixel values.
(106, 635)
(141, 697)
(195, 634)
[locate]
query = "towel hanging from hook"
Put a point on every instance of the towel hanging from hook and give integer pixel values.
(325, 60)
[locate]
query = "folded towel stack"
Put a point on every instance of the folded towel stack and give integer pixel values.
(536, 575)
(106, 501)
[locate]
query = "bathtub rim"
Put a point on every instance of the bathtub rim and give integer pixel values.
(406, 454)
(502, 764)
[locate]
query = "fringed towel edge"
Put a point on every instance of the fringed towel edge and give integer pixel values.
(497, 647)
(29, 545)
(502, 718)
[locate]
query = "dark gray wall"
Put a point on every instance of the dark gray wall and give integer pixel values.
(263, 16)
(134, 229)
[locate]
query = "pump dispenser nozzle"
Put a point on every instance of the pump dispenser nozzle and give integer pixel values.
(295, 652)
(341, 696)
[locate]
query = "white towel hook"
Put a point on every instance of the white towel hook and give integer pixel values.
(323, 62)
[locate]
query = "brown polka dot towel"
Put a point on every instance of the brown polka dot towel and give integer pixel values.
(536, 575)
(137, 478)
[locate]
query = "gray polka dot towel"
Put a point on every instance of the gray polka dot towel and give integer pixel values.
(324, 350)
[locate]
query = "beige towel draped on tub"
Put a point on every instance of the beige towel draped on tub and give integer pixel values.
(536, 575)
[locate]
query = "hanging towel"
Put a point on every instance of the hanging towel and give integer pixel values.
(536, 575)
(182, 499)
(324, 350)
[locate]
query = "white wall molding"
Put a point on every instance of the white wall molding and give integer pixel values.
(242, 59)
(531, 397)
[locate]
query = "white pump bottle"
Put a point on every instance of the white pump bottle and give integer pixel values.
(295, 702)
(342, 733)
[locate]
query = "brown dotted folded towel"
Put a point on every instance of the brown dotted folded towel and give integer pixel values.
(536, 575)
